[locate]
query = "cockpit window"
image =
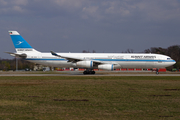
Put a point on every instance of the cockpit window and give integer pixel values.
(168, 58)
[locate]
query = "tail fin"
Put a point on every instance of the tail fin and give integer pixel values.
(20, 43)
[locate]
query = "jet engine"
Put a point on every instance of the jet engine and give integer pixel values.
(85, 64)
(106, 67)
(110, 67)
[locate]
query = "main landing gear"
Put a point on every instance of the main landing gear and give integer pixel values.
(88, 72)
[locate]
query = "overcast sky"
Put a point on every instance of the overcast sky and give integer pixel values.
(100, 25)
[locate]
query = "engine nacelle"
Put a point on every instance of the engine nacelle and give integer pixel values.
(85, 64)
(106, 67)
(110, 67)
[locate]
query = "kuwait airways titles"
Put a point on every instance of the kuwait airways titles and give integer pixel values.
(143, 57)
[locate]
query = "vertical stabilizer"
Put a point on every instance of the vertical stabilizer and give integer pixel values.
(20, 43)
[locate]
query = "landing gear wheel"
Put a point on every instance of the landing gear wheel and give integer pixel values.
(157, 71)
(93, 72)
(88, 72)
(85, 72)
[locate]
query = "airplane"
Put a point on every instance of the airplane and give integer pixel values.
(88, 61)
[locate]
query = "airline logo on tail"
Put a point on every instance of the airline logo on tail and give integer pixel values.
(19, 42)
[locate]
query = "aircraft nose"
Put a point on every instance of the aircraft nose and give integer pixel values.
(173, 62)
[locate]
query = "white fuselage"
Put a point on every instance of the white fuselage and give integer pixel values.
(105, 61)
(124, 60)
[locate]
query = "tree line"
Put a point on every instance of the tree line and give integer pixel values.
(10, 64)
(172, 51)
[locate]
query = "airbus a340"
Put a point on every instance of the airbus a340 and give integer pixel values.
(88, 61)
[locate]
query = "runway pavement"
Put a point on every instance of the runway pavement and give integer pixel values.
(79, 73)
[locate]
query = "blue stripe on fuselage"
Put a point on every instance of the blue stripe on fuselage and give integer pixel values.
(104, 60)
(46, 59)
(134, 60)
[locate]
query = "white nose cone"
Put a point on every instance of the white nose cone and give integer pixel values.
(172, 62)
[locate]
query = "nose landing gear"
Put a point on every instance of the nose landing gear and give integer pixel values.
(157, 71)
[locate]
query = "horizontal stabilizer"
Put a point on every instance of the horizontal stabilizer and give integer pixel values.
(17, 55)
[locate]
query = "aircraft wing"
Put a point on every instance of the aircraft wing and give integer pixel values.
(17, 55)
(70, 59)
(73, 59)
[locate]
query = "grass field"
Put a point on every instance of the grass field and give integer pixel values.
(87, 97)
